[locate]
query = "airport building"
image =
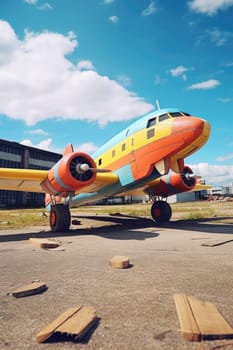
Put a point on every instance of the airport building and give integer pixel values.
(15, 155)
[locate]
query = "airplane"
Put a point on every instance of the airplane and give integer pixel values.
(145, 158)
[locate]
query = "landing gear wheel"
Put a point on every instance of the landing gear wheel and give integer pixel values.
(161, 211)
(59, 218)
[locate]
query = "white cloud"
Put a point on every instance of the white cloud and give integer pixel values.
(31, 2)
(85, 65)
(124, 80)
(219, 38)
(45, 144)
(113, 19)
(9, 44)
(179, 71)
(159, 81)
(204, 85)
(216, 175)
(226, 157)
(150, 9)
(86, 148)
(209, 7)
(37, 132)
(45, 6)
(227, 65)
(224, 99)
(39, 82)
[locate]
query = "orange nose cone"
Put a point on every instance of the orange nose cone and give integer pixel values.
(191, 129)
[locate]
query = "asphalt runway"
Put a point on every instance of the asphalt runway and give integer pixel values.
(135, 306)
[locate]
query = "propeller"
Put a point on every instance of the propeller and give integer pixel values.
(190, 178)
(82, 168)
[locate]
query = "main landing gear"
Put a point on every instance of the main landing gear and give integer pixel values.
(59, 217)
(161, 211)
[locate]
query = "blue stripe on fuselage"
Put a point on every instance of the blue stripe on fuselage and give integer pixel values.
(114, 189)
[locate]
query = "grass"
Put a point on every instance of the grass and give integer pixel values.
(220, 211)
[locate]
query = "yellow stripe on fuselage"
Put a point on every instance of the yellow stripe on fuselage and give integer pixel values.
(134, 142)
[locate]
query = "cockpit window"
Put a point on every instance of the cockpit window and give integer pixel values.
(163, 117)
(184, 113)
(176, 114)
(151, 122)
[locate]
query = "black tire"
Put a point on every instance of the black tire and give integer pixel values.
(59, 218)
(161, 211)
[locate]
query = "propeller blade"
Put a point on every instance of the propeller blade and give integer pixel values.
(97, 170)
(192, 176)
(82, 168)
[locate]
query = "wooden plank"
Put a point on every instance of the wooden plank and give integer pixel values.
(200, 320)
(80, 322)
(215, 243)
(74, 321)
(44, 243)
(29, 289)
(210, 321)
(119, 262)
(46, 332)
(188, 324)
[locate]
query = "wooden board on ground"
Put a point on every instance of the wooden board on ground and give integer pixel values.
(44, 243)
(200, 320)
(119, 262)
(29, 289)
(74, 321)
(215, 243)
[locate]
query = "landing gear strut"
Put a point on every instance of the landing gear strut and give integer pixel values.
(161, 211)
(59, 217)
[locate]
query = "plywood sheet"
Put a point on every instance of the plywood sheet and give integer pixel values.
(200, 320)
(74, 321)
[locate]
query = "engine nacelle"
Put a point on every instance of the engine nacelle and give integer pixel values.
(175, 183)
(67, 175)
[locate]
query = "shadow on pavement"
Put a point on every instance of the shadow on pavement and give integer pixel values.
(120, 226)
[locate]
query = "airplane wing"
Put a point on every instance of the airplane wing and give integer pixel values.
(30, 180)
(200, 187)
(27, 180)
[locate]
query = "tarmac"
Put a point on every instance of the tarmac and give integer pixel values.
(135, 306)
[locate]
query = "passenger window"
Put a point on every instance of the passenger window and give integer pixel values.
(113, 153)
(123, 147)
(100, 161)
(150, 133)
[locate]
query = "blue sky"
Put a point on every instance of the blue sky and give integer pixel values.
(79, 71)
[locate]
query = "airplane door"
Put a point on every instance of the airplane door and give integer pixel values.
(132, 159)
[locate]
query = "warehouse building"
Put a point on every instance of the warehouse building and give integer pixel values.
(15, 155)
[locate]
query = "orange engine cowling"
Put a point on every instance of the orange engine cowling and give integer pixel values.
(174, 183)
(66, 176)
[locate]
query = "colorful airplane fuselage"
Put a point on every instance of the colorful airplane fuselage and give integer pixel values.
(148, 149)
(145, 158)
